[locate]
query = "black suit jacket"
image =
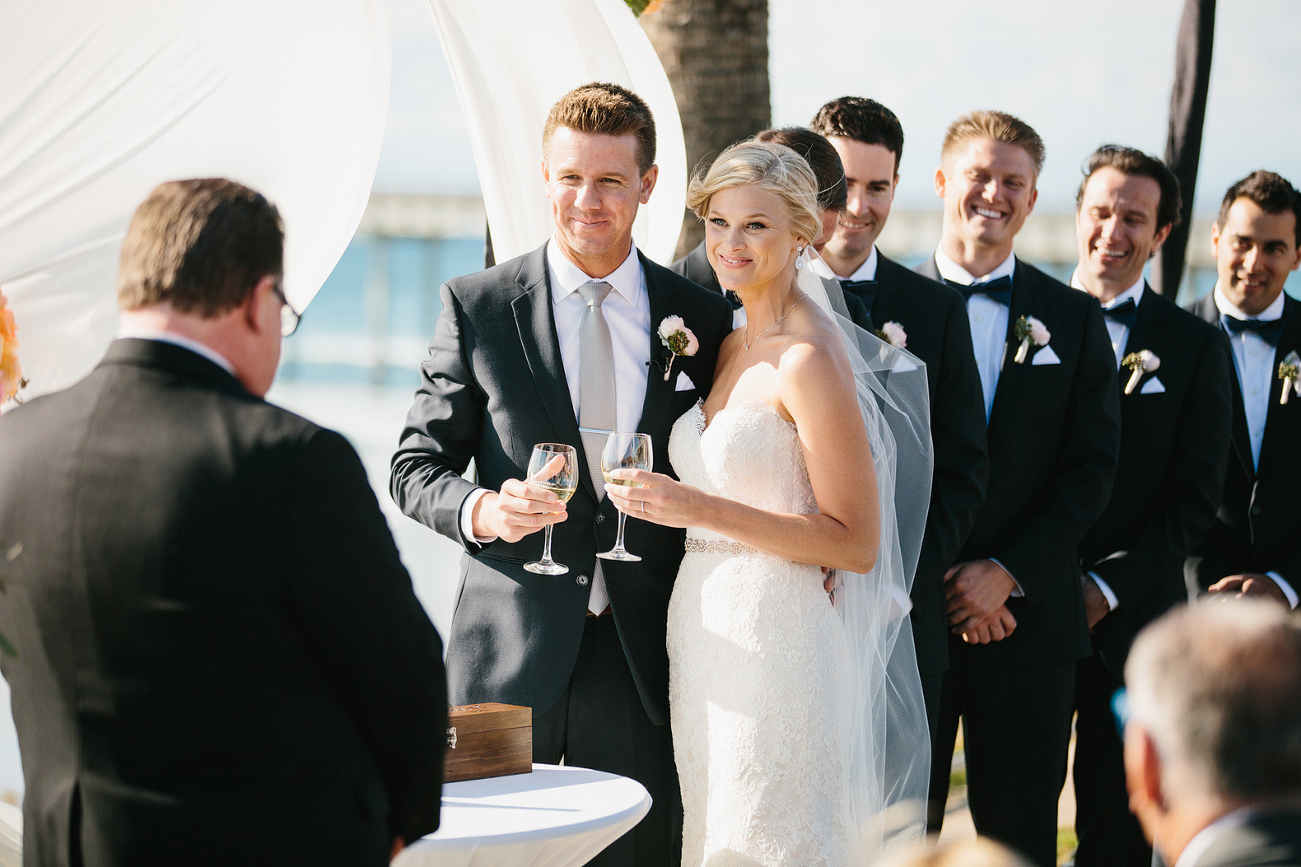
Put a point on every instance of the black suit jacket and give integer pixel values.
(935, 319)
(1173, 449)
(1267, 839)
(1258, 525)
(492, 387)
(220, 656)
(1054, 440)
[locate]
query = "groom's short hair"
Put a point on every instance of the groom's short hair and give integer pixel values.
(601, 108)
(996, 126)
(862, 120)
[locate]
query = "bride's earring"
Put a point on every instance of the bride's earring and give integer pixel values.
(800, 258)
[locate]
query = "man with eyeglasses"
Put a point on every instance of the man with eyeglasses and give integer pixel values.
(219, 657)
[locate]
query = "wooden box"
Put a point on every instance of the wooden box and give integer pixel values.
(488, 740)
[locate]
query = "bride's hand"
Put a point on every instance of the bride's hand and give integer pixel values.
(657, 498)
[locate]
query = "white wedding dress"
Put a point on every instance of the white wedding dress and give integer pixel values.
(759, 696)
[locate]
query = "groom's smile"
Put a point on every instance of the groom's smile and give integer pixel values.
(594, 187)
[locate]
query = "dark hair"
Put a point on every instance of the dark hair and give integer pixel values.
(199, 245)
(1270, 191)
(996, 126)
(1132, 161)
(833, 192)
(863, 120)
(601, 108)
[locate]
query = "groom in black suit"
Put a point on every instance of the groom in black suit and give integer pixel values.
(1254, 545)
(220, 659)
(509, 365)
(1048, 381)
(1175, 414)
(869, 140)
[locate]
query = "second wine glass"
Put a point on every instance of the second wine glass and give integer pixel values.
(624, 451)
(552, 467)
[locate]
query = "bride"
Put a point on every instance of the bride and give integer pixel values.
(795, 723)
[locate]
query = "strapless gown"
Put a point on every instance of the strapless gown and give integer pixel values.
(757, 656)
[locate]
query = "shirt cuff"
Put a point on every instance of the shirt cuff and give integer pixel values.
(467, 509)
(1017, 592)
(1112, 602)
(1287, 589)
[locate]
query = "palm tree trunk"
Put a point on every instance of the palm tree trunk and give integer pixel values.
(716, 55)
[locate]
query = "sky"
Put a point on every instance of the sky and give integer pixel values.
(1081, 78)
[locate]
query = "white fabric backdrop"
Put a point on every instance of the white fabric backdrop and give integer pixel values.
(511, 60)
(104, 99)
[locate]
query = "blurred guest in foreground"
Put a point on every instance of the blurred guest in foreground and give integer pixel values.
(1254, 546)
(1213, 742)
(980, 852)
(219, 656)
(1175, 409)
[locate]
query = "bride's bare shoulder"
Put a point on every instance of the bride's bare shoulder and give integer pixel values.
(815, 343)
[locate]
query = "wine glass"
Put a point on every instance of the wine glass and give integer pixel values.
(561, 480)
(630, 450)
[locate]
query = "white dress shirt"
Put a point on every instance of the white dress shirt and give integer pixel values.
(142, 333)
(1117, 331)
(1253, 359)
(866, 271)
(988, 321)
(627, 313)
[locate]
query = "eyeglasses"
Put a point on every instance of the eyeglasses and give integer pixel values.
(289, 317)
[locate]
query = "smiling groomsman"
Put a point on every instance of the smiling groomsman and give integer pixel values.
(1175, 409)
(1254, 544)
(869, 139)
(1048, 380)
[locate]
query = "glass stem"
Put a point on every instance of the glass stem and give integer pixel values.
(618, 543)
(546, 544)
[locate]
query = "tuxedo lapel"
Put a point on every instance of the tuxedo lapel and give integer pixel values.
(1146, 325)
(658, 390)
(1010, 373)
(537, 332)
(1206, 309)
(1290, 342)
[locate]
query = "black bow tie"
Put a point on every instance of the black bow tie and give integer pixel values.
(999, 289)
(864, 289)
(1268, 330)
(1126, 313)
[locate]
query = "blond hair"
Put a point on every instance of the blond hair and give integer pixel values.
(771, 167)
(601, 108)
(995, 126)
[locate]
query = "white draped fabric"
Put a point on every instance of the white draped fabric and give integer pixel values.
(104, 99)
(511, 60)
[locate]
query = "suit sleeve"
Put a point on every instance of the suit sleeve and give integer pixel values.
(1076, 492)
(354, 600)
(441, 433)
(1191, 488)
(958, 433)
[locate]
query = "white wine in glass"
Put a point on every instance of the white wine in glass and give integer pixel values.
(552, 467)
(624, 451)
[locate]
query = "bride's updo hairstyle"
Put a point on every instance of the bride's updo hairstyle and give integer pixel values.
(771, 167)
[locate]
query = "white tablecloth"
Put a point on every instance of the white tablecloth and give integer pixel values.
(553, 817)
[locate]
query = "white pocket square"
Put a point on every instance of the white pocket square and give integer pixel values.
(684, 382)
(1152, 386)
(1045, 356)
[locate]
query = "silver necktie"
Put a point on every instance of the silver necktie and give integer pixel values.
(597, 409)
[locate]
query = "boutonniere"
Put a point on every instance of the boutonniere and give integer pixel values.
(1029, 330)
(1289, 370)
(678, 340)
(1139, 363)
(893, 334)
(11, 373)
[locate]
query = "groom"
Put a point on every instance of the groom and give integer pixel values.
(560, 345)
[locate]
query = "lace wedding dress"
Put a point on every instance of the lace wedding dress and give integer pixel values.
(759, 696)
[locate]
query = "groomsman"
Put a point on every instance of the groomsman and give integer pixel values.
(525, 353)
(1175, 410)
(1254, 545)
(869, 140)
(1048, 381)
(824, 162)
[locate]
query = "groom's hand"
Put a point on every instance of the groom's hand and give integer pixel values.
(518, 509)
(975, 591)
(996, 628)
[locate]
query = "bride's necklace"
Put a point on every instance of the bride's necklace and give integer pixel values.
(746, 340)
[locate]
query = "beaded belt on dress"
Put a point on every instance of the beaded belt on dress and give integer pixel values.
(704, 546)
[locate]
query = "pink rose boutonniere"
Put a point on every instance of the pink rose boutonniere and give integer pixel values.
(893, 334)
(677, 339)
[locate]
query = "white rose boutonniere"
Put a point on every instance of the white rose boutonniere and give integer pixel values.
(1029, 330)
(678, 339)
(893, 334)
(1139, 363)
(1289, 370)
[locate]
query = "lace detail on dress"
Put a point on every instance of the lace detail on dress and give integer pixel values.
(757, 690)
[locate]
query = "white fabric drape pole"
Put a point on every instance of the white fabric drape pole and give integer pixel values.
(511, 60)
(104, 99)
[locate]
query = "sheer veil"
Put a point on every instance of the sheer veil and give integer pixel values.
(889, 760)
